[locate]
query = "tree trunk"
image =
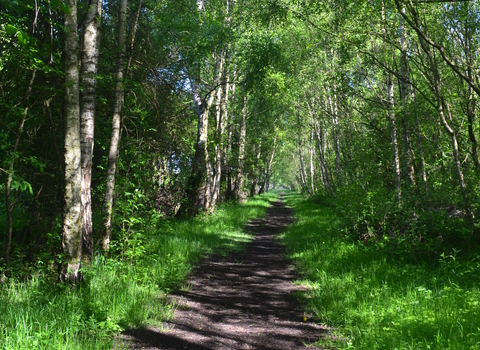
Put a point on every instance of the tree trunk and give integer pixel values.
(256, 172)
(268, 168)
(221, 120)
(318, 132)
(194, 199)
(391, 119)
(332, 101)
(91, 42)
(404, 94)
(230, 176)
(312, 169)
(442, 108)
(420, 148)
(239, 193)
(116, 124)
(72, 225)
(303, 175)
(327, 183)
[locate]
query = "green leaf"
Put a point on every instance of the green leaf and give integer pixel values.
(23, 37)
(10, 30)
(55, 3)
(64, 8)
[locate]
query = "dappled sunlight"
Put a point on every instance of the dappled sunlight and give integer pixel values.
(242, 301)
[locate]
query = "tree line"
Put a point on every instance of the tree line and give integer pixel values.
(106, 108)
(120, 107)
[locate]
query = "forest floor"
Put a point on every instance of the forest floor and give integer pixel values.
(245, 300)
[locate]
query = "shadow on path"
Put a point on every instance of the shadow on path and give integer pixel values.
(242, 301)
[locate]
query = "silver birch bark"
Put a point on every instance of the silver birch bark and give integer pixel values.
(116, 123)
(443, 109)
(323, 164)
(303, 174)
(393, 133)
(256, 171)
(318, 133)
(221, 120)
(194, 199)
(312, 169)
(230, 175)
(407, 152)
(91, 43)
(332, 101)
(420, 149)
(72, 225)
(391, 116)
(268, 168)
(239, 194)
(471, 108)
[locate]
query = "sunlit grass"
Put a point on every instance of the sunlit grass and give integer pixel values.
(120, 291)
(376, 300)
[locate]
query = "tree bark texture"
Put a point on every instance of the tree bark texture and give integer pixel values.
(442, 108)
(91, 43)
(393, 133)
(268, 168)
(72, 225)
(116, 124)
(404, 95)
(221, 120)
(303, 174)
(256, 171)
(194, 199)
(312, 169)
(239, 193)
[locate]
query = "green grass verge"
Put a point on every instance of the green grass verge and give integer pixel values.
(375, 299)
(122, 291)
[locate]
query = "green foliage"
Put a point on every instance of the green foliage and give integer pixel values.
(375, 295)
(41, 313)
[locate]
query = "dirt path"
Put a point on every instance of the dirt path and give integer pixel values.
(243, 301)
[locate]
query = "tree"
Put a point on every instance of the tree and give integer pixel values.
(116, 124)
(90, 51)
(72, 225)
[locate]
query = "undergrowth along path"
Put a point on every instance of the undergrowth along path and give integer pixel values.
(242, 301)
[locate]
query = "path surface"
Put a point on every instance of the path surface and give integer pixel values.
(243, 301)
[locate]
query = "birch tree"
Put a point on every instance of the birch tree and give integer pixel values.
(90, 51)
(116, 124)
(72, 225)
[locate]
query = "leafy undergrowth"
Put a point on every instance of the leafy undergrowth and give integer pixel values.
(127, 289)
(376, 299)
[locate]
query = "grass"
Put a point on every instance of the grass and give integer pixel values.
(127, 290)
(379, 300)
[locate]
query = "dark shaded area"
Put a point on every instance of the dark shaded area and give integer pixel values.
(243, 301)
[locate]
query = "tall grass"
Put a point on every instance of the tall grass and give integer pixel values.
(122, 291)
(376, 299)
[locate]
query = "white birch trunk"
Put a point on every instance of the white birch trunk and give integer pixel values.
(195, 194)
(116, 124)
(407, 152)
(221, 120)
(239, 192)
(72, 225)
(91, 43)
(393, 133)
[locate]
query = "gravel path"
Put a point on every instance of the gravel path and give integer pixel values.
(242, 301)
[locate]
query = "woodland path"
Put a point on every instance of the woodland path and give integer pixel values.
(242, 301)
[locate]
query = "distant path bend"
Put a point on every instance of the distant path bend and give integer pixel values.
(242, 301)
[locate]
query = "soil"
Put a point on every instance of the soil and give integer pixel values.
(242, 301)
